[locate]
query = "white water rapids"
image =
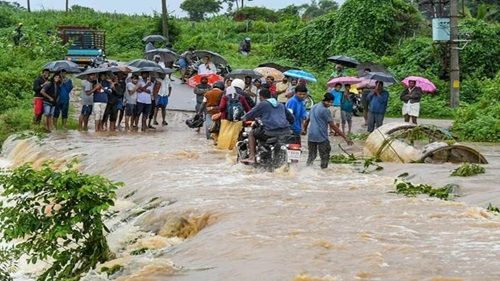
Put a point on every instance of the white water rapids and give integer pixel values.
(299, 224)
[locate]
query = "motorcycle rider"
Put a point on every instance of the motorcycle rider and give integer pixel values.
(276, 120)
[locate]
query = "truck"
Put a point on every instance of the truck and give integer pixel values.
(87, 44)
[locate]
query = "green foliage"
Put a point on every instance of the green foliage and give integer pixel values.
(467, 170)
(139, 251)
(197, 9)
(479, 121)
(308, 44)
(492, 208)
(373, 24)
(58, 214)
(481, 57)
(112, 270)
(351, 159)
(411, 190)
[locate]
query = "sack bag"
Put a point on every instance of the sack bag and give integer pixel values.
(214, 126)
(234, 108)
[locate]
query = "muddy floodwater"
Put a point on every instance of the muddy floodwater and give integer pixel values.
(199, 216)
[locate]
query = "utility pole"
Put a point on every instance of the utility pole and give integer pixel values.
(67, 6)
(29, 6)
(454, 56)
(164, 18)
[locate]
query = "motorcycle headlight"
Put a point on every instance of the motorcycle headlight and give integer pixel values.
(245, 134)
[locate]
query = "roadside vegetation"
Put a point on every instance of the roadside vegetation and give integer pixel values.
(295, 36)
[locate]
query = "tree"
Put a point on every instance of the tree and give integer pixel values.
(316, 9)
(197, 9)
(59, 217)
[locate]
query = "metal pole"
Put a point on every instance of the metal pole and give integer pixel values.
(454, 56)
(164, 18)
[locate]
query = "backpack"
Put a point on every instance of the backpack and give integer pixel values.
(234, 108)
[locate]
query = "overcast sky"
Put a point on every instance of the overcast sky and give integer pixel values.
(144, 6)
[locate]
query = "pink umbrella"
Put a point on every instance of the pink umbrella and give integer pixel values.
(426, 85)
(344, 80)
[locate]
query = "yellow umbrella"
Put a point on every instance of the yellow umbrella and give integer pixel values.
(269, 71)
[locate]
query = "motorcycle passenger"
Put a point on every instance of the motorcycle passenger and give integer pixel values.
(276, 120)
(211, 102)
(240, 85)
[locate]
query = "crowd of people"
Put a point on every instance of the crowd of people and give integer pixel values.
(138, 99)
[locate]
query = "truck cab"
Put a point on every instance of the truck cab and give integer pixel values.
(86, 43)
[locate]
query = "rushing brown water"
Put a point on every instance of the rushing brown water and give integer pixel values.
(205, 218)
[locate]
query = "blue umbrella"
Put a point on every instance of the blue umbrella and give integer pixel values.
(300, 74)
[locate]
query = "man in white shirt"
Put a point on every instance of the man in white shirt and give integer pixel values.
(162, 100)
(144, 99)
(207, 67)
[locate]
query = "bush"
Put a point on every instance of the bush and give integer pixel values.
(58, 214)
(479, 121)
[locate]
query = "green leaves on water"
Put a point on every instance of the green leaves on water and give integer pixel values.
(492, 208)
(467, 170)
(351, 159)
(409, 189)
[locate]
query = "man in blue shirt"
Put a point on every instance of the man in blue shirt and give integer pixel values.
(378, 100)
(335, 108)
(320, 119)
(275, 118)
(62, 105)
(298, 109)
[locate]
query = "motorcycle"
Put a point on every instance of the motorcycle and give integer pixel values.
(271, 153)
(101, 61)
(357, 107)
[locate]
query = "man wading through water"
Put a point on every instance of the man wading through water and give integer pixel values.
(320, 119)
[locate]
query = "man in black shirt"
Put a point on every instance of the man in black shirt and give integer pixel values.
(38, 84)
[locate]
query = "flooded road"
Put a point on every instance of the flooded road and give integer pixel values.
(198, 216)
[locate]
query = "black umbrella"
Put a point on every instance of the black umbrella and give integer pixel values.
(343, 60)
(84, 74)
(242, 73)
(156, 69)
(380, 76)
(165, 54)
(59, 65)
(140, 63)
(360, 69)
(214, 57)
(154, 38)
(278, 66)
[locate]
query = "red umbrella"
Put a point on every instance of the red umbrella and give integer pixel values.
(212, 78)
